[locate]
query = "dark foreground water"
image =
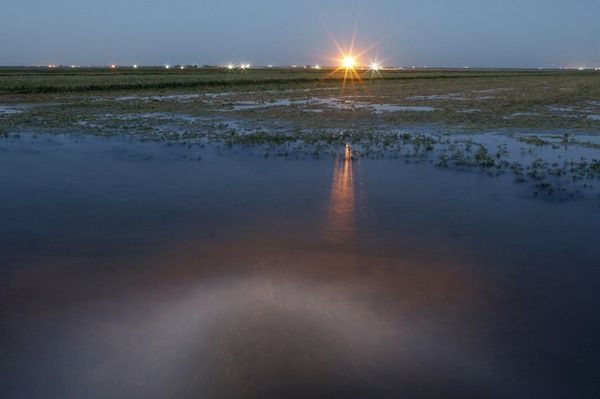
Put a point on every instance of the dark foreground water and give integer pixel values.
(135, 270)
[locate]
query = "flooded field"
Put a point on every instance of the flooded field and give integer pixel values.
(148, 270)
(431, 234)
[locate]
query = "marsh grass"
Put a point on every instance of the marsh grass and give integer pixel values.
(199, 106)
(66, 80)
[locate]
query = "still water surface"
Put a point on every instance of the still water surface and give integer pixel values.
(136, 270)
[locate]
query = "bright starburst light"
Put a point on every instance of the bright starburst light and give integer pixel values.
(348, 62)
(374, 66)
(349, 59)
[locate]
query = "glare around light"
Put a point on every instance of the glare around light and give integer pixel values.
(374, 66)
(348, 62)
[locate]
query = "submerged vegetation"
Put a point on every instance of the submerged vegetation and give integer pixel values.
(540, 126)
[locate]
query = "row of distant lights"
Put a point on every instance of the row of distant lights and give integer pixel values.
(230, 67)
(168, 66)
(114, 66)
(373, 66)
(242, 66)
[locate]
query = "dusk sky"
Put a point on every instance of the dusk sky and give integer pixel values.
(503, 33)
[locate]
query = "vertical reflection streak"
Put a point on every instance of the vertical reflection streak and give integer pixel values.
(341, 208)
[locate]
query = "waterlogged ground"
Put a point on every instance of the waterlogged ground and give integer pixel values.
(395, 238)
(540, 128)
(290, 99)
(152, 270)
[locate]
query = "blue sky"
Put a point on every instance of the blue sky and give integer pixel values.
(408, 32)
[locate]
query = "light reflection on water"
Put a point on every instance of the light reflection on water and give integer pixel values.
(129, 271)
(342, 203)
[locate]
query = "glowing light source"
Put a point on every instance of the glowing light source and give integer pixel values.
(182, 67)
(317, 66)
(374, 66)
(135, 66)
(230, 67)
(348, 62)
(167, 66)
(113, 66)
(244, 66)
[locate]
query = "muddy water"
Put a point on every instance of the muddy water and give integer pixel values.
(138, 270)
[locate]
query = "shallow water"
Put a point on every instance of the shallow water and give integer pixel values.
(347, 103)
(142, 270)
(8, 110)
